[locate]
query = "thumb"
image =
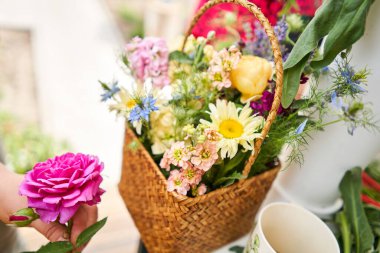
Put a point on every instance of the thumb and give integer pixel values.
(52, 231)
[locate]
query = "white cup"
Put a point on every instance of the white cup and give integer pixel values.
(289, 228)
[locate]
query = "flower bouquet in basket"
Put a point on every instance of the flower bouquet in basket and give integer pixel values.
(198, 156)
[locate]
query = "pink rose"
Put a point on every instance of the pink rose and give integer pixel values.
(57, 187)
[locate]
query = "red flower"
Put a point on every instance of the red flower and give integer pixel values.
(270, 8)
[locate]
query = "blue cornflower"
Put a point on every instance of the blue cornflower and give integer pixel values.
(301, 127)
(110, 92)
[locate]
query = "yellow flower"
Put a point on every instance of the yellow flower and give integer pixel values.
(251, 77)
(235, 126)
(162, 129)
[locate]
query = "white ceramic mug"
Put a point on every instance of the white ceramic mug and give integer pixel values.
(289, 228)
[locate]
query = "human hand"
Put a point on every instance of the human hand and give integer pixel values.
(12, 202)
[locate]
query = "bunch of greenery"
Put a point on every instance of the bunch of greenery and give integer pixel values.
(26, 145)
(359, 221)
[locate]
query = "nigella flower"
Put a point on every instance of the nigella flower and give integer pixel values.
(338, 103)
(347, 81)
(348, 74)
(149, 104)
(301, 127)
(109, 92)
(142, 110)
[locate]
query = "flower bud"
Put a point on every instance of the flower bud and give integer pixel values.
(230, 18)
(23, 217)
(251, 76)
(295, 22)
(201, 138)
(211, 35)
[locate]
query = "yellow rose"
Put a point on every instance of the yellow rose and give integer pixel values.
(251, 77)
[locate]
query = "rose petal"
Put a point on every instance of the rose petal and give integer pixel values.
(66, 213)
(38, 203)
(72, 195)
(51, 190)
(29, 191)
(52, 200)
(47, 216)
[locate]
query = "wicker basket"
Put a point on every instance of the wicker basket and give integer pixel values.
(173, 223)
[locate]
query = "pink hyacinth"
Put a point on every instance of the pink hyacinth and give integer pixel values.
(176, 182)
(205, 155)
(57, 187)
(149, 58)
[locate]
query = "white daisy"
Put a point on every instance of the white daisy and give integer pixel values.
(237, 126)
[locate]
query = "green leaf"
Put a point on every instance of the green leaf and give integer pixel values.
(373, 170)
(291, 82)
(180, 57)
(350, 188)
(319, 26)
(104, 86)
(373, 216)
(236, 249)
(226, 181)
(55, 247)
(89, 232)
(348, 29)
(342, 21)
(231, 164)
(341, 219)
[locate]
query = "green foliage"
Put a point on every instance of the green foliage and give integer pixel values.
(350, 188)
(180, 57)
(342, 21)
(89, 232)
(373, 170)
(55, 247)
(236, 249)
(26, 145)
(131, 18)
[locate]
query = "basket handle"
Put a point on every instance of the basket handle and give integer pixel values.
(252, 8)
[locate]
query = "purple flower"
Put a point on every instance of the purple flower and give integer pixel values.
(149, 58)
(281, 29)
(261, 45)
(57, 187)
(263, 106)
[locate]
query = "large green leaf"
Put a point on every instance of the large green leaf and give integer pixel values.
(55, 247)
(350, 188)
(348, 29)
(292, 78)
(342, 21)
(341, 219)
(319, 26)
(373, 170)
(89, 232)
